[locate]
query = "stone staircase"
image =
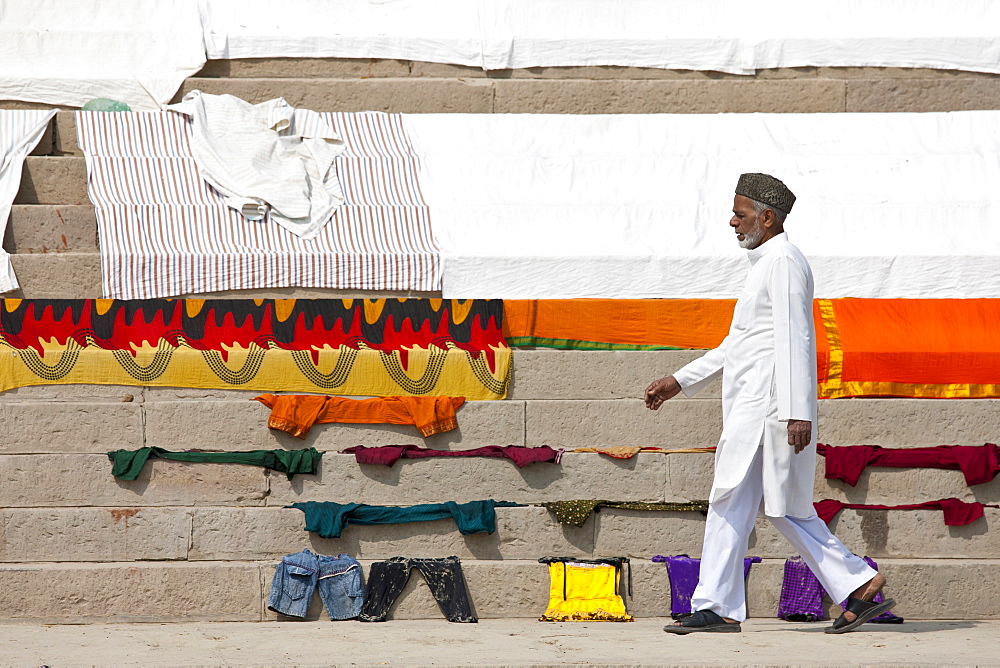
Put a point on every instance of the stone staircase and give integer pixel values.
(190, 542)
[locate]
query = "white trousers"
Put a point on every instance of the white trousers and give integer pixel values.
(721, 587)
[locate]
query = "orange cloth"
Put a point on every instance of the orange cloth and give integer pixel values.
(607, 324)
(297, 413)
(933, 348)
(927, 348)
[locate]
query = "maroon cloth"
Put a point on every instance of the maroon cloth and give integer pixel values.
(979, 463)
(387, 455)
(956, 512)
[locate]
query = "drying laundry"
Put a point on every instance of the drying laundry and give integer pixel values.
(266, 158)
(630, 451)
(956, 512)
(617, 324)
(802, 595)
(978, 463)
(164, 231)
(127, 464)
(354, 346)
(66, 52)
(20, 132)
(683, 573)
(632, 206)
(297, 413)
(387, 455)
(443, 576)
(578, 511)
(329, 519)
(723, 36)
(299, 575)
(587, 590)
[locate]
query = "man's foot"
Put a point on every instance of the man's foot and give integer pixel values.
(866, 592)
(704, 621)
(861, 607)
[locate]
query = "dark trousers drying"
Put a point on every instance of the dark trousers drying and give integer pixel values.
(444, 577)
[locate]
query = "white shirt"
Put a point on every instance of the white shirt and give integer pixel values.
(768, 367)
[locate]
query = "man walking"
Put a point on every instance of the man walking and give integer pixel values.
(766, 455)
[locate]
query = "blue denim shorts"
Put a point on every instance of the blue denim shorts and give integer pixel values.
(298, 575)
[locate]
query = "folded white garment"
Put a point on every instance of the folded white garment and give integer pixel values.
(722, 35)
(20, 131)
(266, 157)
(68, 52)
(635, 206)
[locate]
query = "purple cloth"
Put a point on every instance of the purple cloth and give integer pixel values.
(802, 595)
(683, 572)
(387, 455)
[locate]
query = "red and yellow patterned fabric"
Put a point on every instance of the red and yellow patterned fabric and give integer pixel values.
(385, 347)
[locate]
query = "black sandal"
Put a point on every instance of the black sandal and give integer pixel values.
(703, 620)
(863, 610)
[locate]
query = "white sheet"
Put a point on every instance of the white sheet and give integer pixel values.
(722, 35)
(561, 206)
(267, 157)
(20, 131)
(67, 52)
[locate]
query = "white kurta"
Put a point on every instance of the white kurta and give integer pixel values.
(768, 367)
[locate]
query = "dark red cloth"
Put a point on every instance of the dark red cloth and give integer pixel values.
(956, 513)
(387, 455)
(979, 463)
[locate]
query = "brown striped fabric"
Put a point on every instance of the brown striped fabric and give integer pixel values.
(164, 231)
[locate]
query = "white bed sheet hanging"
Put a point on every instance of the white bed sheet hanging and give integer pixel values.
(68, 52)
(721, 35)
(634, 206)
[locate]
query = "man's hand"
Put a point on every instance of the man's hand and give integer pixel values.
(660, 391)
(799, 434)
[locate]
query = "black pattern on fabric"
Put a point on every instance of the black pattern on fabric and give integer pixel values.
(577, 511)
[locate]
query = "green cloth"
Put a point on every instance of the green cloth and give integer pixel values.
(577, 512)
(329, 519)
(127, 464)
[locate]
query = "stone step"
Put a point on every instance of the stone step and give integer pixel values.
(147, 533)
(46, 228)
(53, 180)
(44, 419)
(237, 591)
(59, 137)
(66, 480)
(471, 94)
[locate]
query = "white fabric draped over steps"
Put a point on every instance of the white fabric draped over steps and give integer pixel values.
(139, 51)
(633, 206)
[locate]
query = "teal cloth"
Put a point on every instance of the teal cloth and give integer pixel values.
(329, 519)
(127, 464)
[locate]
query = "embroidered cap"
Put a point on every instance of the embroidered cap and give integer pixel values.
(767, 189)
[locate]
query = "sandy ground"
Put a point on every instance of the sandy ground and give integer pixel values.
(496, 642)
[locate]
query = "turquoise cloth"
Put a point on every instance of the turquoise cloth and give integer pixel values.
(127, 464)
(329, 519)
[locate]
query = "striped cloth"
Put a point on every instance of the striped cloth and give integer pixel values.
(164, 232)
(20, 132)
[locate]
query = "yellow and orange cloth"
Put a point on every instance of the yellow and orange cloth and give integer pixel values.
(297, 413)
(925, 348)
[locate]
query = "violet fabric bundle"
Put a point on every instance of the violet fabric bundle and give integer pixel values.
(683, 572)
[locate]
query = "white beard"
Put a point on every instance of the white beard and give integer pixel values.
(752, 239)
